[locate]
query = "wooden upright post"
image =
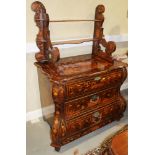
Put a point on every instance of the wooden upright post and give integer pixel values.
(98, 30)
(47, 51)
(98, 37)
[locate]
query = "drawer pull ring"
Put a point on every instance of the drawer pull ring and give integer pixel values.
(96, 114)
(94, 98)
(97, 78)
(96, 117)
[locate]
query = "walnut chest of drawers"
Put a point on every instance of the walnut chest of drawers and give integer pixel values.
(85, 89)
(86, 94)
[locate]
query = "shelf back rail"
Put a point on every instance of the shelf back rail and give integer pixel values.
(79, 41)
(71, 20)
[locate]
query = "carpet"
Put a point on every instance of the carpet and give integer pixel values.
(102, 149)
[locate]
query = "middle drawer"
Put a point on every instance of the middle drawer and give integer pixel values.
(88, 103)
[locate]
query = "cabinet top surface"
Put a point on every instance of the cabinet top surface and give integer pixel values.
(77, 66)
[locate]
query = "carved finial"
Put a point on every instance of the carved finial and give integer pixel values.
(99, 14)
(100, 9)
(37, 6)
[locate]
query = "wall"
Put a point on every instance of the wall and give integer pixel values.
(115, 18)
(116, 28)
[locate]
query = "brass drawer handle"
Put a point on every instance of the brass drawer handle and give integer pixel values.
(94, 98)
(97, 78)
(96, 114)
(96, 117)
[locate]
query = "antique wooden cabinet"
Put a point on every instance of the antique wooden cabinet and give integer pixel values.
(85, 89)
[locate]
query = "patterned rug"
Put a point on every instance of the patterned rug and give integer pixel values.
(102, 149)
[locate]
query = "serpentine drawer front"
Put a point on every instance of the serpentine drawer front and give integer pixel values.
(77, 124)
(88, 122)
(85, 89)
(93, 84)
(81, 105)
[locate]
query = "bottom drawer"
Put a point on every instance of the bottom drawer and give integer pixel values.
(86, 121)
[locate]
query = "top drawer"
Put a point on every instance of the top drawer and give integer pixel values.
(95, 83)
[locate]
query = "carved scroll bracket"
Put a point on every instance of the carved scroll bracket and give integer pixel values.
(99, 40)
(47, 51)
